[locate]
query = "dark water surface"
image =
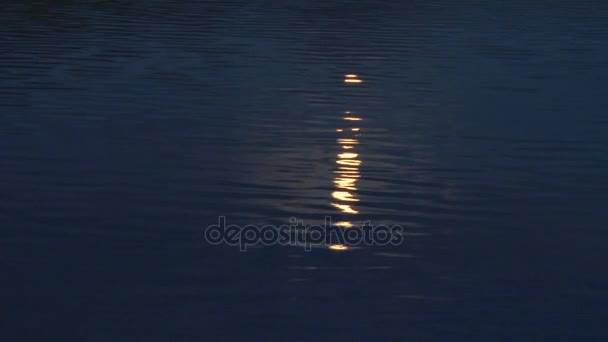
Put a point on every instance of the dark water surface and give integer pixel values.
(128, 126)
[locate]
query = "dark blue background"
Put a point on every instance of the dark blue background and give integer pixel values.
(126, 127)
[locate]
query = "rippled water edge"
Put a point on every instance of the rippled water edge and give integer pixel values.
(127, 128)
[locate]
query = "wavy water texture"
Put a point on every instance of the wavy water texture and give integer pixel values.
(129, 126)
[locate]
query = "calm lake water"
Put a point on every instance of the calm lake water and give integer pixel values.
(128, 127)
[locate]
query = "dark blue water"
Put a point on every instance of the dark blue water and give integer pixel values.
(127, 127)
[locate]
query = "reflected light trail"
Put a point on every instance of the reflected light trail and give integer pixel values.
(347, 172)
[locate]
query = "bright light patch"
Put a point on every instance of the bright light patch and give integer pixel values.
(338, 247)
(352, 78)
